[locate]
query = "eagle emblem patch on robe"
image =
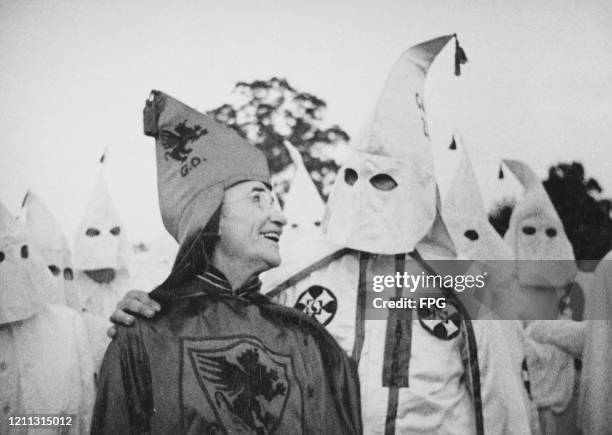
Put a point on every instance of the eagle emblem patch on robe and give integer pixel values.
(245, 385)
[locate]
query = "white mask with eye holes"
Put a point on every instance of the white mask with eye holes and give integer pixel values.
(465, 215)
(384, 198)
(19, 286)
(100, 241)
(536, 235)
(45, 233)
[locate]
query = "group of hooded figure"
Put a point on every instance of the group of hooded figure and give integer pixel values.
(458, 370)
(54, 307)
(491, 362)
(502, 361)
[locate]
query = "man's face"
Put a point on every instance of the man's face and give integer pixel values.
(250, 227)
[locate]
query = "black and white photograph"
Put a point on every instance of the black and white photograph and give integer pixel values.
(323, 217)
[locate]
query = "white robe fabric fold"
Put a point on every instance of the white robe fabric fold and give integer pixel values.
(54, 366)
(438, 400)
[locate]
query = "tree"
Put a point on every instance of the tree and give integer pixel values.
(585, 218)
(268, 112)
(500, 216)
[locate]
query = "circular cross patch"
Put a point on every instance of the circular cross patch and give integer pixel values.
(318, 302)
(444, 324)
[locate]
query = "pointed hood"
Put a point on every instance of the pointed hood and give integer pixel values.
(467, 220)
(8, 224)
(100, 241)
(384, 199)
(304, 207)
(536, 234)
(45, 232)
(48, 247)
(18, 288)
(197, 159)
(466, 217)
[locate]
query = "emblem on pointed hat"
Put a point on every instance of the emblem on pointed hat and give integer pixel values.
(197, 159)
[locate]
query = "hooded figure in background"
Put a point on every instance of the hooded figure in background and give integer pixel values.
(46, 234)
(535, 362)
(545, 263)
(419, 370)
(545, 290)
(303, 208)
(44, 355)
(221, 357)
(465, 215)
(101, 252)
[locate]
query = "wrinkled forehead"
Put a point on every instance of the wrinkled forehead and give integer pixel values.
(239, 190)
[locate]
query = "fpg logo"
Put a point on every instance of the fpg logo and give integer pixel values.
(439, 303)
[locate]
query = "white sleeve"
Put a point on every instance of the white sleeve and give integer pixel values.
(552, 375)
(569, 335)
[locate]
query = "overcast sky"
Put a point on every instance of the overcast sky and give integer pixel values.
(74, 76)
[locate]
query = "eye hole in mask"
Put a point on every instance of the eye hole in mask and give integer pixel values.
(551, 232)
(68, 275)
(1, 256)
(24, 251)
(317, 223)
(471, 234)
(350, 176)
(92, 232)
(383, 182)
(529, 230)
(115, 231)
(54, 269)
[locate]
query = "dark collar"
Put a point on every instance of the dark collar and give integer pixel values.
(215, 279)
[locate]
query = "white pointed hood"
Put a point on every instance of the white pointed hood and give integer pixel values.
(18, 286)
(44, 231)
(304, 207)
(536, 234)
(100, 241)
(384, 198)
(465, 215)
